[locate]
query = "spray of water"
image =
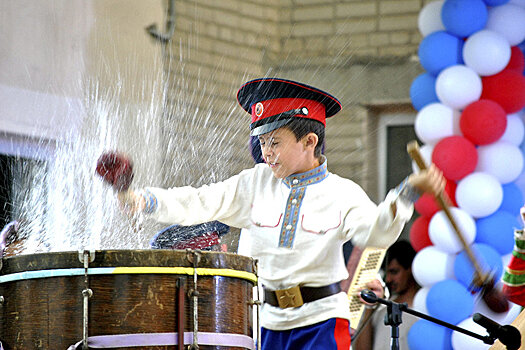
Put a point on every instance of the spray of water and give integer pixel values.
(178, 130)
(64, 206)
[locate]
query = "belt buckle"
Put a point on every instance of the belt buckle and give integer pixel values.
(290, 297)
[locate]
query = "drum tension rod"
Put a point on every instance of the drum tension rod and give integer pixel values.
(257, 303)
(180, 312)
(194, 257)
(86, 257)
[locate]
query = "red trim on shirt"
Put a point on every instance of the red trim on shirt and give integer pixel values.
(342, 334)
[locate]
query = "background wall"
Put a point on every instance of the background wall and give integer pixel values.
(363, 52)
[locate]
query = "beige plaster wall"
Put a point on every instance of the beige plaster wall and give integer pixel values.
(363, 52)
(53, 51)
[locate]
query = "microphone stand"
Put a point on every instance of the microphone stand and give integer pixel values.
(393, 318)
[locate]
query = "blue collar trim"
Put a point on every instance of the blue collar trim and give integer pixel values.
(308, 178)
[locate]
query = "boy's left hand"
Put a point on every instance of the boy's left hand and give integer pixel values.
(430, 180)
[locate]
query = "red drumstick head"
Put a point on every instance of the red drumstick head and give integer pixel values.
(115, 169)
(495, 299)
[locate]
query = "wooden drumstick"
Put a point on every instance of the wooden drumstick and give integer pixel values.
(493, 297)
(480, 277)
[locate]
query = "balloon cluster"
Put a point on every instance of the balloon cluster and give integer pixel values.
(470, 102)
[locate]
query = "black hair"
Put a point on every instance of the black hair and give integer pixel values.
(303, 126)
(403, 252)
(255, 148)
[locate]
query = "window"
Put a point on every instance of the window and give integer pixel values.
(394, 163)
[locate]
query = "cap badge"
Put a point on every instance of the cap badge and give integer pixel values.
(259, 109)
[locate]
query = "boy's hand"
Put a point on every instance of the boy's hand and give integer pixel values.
(430, 180)
(130, 202)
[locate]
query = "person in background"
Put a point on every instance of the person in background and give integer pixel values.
(402, 287)
(298, 214)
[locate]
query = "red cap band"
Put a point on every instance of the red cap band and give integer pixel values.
(269, 108)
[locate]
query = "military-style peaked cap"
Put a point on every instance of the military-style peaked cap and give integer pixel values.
(274, 102)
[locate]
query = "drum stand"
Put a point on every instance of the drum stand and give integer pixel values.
(508, 335)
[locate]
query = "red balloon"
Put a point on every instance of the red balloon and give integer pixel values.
(427, 206)
(517, 60)
(419, 233)
(115, 169)
(507, 88)
(455, 156)
(483, 122)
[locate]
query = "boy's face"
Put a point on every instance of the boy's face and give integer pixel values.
(285, 155)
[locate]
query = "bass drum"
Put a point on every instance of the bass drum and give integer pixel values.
(137, 299)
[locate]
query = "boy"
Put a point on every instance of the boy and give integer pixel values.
(298, 214)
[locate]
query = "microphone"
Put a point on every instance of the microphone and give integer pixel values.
(369, 296)
(507, 335)
(372, 298)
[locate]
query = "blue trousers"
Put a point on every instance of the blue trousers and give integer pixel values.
(333, 334)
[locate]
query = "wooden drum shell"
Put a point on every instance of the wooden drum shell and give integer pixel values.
(47, 313)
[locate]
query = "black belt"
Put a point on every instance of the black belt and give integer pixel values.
(289, 297)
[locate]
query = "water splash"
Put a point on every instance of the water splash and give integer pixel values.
(64, 206)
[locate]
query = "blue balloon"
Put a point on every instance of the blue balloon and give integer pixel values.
(450, 301)
(497, 231)
(425, 335)
(512, 199)
(488, 258)
(464, 17)
(423, 91)
(495, 2)
(440, 50)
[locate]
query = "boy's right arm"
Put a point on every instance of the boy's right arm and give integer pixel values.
(228, 201)
(131, 202)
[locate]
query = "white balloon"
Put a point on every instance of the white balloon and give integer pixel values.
(426, 153)
(486, 52)
(505, 259)
(509, 21)
(514, 131)
(420, 300)
(429, 20)
(517, 2)
(500, 159)
(442, 233)
(431, 265)
(462, 341)
(479, 194)
(458, 86)
(436, 121)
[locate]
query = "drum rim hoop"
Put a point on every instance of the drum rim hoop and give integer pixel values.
(201, 271)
